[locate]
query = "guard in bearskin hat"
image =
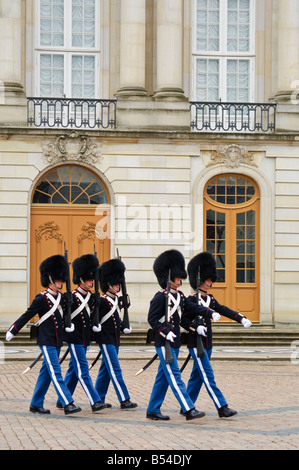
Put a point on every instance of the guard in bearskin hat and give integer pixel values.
(202, 273)
(111, 277)
(164, 317)
(49, 306)
(84, 273)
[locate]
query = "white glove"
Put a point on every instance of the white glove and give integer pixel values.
(246, 323)
(126, 331)
(202, 330)
(171, 336)
(70, 329)
(97, 329)
(216, 316)
(9, 336)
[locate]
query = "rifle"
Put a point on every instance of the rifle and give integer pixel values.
(68, 292)
(199, 321)
(124, 301)
(96, 318)
(168, 355)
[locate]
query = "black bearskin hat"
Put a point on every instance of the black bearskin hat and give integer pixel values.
(205, 262)
(111, 273)
(55, 267)
(172, 260)
(84, 268)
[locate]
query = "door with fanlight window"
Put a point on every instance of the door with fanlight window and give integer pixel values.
(70, 209)
(231, 228)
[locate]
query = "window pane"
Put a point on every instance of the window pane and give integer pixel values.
(70, 185)
(208, 25)
(207, 74)
(51, 75)
(83, 76)
(238, 80)
(238, 26)
(83, 24)
(51, 23)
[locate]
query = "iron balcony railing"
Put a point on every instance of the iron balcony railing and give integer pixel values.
(233, 117)
(71, 112)
(101, 114)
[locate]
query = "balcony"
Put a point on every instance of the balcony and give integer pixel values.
(233, 117)
(71, 113)
(101, 114)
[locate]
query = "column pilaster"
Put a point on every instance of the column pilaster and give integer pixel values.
(13, 102)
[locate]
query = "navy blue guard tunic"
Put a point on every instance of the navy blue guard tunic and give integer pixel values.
(82, 321)
(189, 319)
(111, 328)
(50, 332)
(157, 312)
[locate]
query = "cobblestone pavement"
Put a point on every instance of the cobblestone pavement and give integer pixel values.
(265, 393)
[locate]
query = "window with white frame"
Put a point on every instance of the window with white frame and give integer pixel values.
(67, 50)
(223, 50)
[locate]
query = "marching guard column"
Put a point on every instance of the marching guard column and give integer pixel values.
(169, 50)
(13, 102)
(287, 95)
(132, 49)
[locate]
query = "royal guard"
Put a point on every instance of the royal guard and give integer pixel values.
(49, 305)
(202, 273)
(83, 302)
(164, 317)
(111, 277)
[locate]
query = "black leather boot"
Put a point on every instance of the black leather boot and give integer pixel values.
(225, 412)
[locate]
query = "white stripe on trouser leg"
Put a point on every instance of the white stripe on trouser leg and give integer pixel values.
(174, 382)
(53, 375)
(85, 388)
(113, 373)
(206, 380)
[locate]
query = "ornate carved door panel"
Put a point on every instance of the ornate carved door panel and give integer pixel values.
(78, 228)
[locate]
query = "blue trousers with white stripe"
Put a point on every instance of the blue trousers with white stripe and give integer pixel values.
(169, 375)
(110, 370)
(202, 373)
(79, 371)
(50, 372)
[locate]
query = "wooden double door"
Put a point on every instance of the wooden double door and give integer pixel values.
(232, 231)
(77, 228)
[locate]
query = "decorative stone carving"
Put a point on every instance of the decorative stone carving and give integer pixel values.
(48, 230)
(232, 156)
(72, 147)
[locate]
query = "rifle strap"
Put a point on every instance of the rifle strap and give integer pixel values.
(114, 303)
(175, 307)
(84, 304)
(201, 301)
(56, 305)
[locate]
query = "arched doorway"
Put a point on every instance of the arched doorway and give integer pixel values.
(70, 208)
(231, 233)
